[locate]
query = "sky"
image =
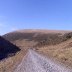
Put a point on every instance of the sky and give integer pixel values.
(35, 14)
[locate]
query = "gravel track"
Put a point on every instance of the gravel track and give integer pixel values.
(34, 62)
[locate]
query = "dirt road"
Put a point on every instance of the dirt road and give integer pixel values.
(34, 62)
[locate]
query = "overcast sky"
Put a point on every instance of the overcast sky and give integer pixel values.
(35, 14)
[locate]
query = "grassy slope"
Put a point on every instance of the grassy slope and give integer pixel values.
(54, 44)
(61, 52)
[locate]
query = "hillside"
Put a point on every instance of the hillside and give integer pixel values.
(39, 37)
(7, 50)
(54, 44)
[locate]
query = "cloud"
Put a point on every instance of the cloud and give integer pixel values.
(14, 28)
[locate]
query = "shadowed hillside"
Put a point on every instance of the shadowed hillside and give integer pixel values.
(7, 49)
(41, 38)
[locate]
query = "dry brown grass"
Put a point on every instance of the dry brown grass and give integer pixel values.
(62, 51)
(9, 64)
